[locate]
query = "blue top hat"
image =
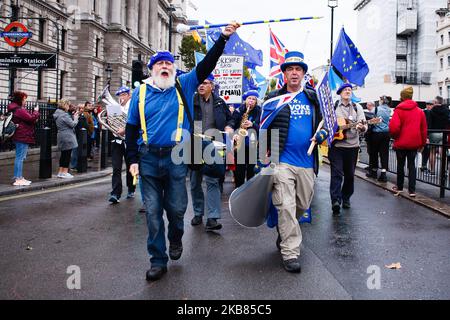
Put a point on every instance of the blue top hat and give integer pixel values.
(345, 85)
(122, 90)
(294, 58)
(160, 56)
(211, 78)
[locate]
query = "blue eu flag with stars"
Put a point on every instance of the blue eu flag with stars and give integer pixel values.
(239, 47)
(348, 60)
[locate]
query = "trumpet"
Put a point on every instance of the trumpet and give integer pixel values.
(113, 122)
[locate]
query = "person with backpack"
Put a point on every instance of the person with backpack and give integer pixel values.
(24, 136)
(343, 154)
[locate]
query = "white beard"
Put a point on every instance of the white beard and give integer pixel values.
(164, 83)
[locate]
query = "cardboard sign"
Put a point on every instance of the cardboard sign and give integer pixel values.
(228, 76)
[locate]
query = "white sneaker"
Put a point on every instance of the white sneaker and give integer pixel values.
(21, 183)
(28, 182)
(60, 175)
(66, 176)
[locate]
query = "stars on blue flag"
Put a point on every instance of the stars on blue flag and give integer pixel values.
(348, 60)
(237, 46)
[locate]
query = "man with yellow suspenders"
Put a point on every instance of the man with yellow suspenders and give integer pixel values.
(156, 121)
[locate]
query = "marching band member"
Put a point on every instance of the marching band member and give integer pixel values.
(118, 153)
(163, 181)
(343, 155)
(293, 187)
(247, 117)
(211, 112)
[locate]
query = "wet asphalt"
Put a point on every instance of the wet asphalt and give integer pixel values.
(42, 235)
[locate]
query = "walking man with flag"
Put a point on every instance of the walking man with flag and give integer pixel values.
(295, 112)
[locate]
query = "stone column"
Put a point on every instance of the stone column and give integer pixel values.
(116, 8)
(144, 21)
(153, 25)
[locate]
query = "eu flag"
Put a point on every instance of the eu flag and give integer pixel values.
(239, 47)
(348, 60)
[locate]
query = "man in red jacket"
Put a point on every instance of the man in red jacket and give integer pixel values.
(408, 127)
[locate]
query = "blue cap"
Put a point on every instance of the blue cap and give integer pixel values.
(123, 89)
(160, 56)
(251, 93)
(345, 85)
(294, 58)
(211, 78)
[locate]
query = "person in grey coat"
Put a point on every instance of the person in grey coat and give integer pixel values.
(67, 139)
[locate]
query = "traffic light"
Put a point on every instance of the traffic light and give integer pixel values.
(137, 73)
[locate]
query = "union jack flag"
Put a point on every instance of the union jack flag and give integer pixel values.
(277, 52)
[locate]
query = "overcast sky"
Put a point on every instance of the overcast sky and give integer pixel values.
(312, 37)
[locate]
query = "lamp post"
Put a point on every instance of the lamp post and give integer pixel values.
(170, 10)
(109, 72)
(332, 4)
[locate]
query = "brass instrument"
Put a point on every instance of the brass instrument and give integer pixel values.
(242, 132)
(112, 122)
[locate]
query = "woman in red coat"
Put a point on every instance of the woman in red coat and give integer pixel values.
(24, 134)
(408, 128)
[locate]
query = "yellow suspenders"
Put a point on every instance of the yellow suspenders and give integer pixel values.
(142, 97)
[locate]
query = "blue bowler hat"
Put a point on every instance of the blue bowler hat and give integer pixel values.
(294, 58)
(251, 93)
(122, 90)
(160, 56)
(345, 85)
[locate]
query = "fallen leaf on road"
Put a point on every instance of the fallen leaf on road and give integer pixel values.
(29, 248)
(394, 266)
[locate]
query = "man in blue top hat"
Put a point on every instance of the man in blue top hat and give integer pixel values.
(163, 179)
(297, 122)
(118, 153)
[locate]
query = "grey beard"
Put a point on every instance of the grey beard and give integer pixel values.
(163, 83)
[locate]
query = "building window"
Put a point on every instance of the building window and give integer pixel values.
(448, 92)
(64, 39)
(40, 85)
(96, 87)
(440, 91)
(442, 39)
(42, 27)
(62, 84)
(442, 63)
(97, 47)
(128, 55)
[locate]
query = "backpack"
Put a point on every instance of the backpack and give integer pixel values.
(7, 127)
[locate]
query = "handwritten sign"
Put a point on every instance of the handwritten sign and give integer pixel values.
(228, 76)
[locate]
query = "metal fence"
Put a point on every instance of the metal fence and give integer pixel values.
(433, 171)
(46, 111)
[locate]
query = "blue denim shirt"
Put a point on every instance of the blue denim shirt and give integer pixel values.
(384, 112)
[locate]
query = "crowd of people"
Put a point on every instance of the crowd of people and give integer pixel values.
(164, 108)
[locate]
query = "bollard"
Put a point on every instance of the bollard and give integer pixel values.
(45, 160)
(82, 151)
(104, 148)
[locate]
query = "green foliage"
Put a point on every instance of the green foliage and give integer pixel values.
(187, 49)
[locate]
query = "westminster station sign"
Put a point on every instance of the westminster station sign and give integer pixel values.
(26, 60)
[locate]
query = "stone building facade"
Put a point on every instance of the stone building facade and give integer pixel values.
(93, 35)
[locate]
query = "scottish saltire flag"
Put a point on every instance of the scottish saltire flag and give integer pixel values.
(261, 82)
(277, 52)
(348, 60)
(237, 46)
(336, 82)
(272, 107)
(325, 96)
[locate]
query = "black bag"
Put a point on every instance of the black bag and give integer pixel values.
(217, 168)
(7, 127)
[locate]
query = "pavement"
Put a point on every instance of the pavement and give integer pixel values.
(44, 237)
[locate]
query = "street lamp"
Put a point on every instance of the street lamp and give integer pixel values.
(109, 72)
(170, 10)
(332, 4)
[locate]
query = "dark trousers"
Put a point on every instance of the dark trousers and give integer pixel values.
(379, 142)
(64, 159)
(402, 155)
(343, 165)
(118, 155)
(425, 156)
(243, 170)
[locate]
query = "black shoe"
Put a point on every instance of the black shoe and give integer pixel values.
(336, 208)
(383, 177)
(371, 174)
(114, 199)
(346, 205)
(212, 224)
(292, 265)
(197, 220)
(155, 273)
(175, 251)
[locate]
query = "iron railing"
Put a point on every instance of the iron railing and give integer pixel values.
(434, 172)
(46, 111)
